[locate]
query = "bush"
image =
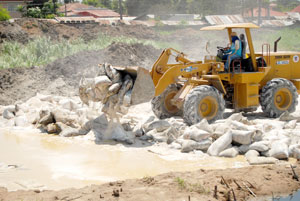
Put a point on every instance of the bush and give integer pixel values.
(34, 12)
(46, 11)
(50, 16)
(183, 23)
(4, 15)
(22, 10)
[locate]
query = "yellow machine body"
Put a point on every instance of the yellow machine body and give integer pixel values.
(246, 86)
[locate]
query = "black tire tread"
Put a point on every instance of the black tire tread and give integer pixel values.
(267, 97)
(190, 106)
(157, 103)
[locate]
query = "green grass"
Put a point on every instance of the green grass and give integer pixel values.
(42, 51)
(289, 39)
(165, 33)
(191, 187)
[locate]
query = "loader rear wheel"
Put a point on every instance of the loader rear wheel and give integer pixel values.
(203, 102)
(277, 96)
(162, 106)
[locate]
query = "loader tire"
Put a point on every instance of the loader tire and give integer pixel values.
(203, 102)
(277, 96)
(161, 106)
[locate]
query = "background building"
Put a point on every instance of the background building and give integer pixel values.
(12, 5)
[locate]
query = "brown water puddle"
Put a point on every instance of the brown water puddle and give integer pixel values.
(52, 162)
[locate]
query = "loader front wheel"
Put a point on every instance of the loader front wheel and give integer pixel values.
(277, 96)
(162, 106)
(203, 102)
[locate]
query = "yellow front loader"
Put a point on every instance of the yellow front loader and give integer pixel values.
(202, 89)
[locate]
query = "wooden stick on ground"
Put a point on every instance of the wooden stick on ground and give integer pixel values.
(251, 192)
(251, 185)
(224, 181)
(234, 198)
(239, 186)
(216, 192)
(295, 176)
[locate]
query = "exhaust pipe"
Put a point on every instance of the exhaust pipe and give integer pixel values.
(275, 44)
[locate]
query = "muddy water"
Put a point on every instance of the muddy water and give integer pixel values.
(30, 160)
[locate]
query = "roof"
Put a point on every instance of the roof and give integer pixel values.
(294, 15)
(264, 12)
(224, 19)
(297, 9)
(233, 26)
(78, 9)
(75, 19)
(17, 0)
(173, 23)
(276, 23)
(74, 6)
(98, 13)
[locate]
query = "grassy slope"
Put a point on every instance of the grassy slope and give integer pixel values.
(289, 38)
(43, 51)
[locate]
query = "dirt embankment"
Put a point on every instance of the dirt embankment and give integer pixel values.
(62, 76)
(199, 185)
(23, 30)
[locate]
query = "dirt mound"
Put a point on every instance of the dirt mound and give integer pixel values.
(135, 54)
(22, 30)
(62, 76)
(12, 32)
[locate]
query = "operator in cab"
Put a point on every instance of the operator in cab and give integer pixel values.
(234, 52)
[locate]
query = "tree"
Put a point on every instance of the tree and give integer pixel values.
(250, 5)
(106, 3)
(286, 5)
(4, 14)
(95, 3)
(266, 5)
(100, 3)
(182, 6)
(69, 1)
(259, 11)
(34, 12)
(38, 10)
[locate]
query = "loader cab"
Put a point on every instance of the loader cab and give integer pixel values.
(248, 61)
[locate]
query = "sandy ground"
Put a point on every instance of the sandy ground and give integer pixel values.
(197, 185)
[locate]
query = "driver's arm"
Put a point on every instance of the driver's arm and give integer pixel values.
(237, 46)
(227, 49)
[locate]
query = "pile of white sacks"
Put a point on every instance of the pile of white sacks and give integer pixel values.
(262, 141)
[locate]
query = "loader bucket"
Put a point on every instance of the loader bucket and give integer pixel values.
(143, 89)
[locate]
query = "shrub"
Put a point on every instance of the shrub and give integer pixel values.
(34, 12)
(22, 10)
(50, 16)
(183, 22)
(46, 11)
(4, 15)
